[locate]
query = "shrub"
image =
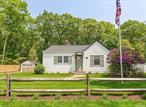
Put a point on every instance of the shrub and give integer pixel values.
(39, 69)
(130, 60)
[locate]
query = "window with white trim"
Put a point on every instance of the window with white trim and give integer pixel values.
(62, 59)
(97, 60)
(66, 59)
(58, 60)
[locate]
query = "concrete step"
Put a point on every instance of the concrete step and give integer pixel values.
(79, 73)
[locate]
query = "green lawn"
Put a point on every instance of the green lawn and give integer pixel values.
(48, 75)
(33, 75)
(67, 85)
(72, 103)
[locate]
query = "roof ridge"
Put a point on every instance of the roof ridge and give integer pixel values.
(66, 48)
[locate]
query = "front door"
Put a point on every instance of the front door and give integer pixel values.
(79, 63)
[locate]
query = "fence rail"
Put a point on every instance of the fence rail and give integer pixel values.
(47, 90)
(46, 79)
(120, 90)
(88, 90)
(2, 78)
(118, 79)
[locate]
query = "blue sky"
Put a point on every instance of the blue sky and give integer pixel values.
(97, 9)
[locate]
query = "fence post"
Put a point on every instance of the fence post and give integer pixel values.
(8, 86)
(88, 84)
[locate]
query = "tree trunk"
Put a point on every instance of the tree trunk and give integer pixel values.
(4, 49)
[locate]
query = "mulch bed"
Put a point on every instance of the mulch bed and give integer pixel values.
(73, 97)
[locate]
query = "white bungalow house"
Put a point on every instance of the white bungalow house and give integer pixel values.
(76, 58)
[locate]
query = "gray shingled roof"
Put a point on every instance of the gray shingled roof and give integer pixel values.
(66, 48)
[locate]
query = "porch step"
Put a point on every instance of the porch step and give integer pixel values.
(79, 73)
(79, 76)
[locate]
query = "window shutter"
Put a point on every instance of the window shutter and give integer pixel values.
(55, 59)
(102, 60)
(91, 60)
(70, 60)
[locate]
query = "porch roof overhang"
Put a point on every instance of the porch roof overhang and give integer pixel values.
(79, 53)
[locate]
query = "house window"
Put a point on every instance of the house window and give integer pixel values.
(62, 59)
(97, 60)
(67, 59)
(57, 59)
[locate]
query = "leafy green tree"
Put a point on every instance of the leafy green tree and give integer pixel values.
(103, 32)
(13, 18)
(135, 32)
(109, 38)
(89, 31)
(34, 42)
(23, 37)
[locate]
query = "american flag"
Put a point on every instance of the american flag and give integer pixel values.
(118, 12)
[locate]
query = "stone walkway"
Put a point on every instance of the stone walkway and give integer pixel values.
(78, 76)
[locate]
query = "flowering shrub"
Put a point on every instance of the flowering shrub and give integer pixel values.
(130, 61)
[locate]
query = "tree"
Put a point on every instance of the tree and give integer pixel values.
(33, 54)
(34, 42)
(109, 38)
(103, 32)
(13, 18)
(135, 32)
(23, 37)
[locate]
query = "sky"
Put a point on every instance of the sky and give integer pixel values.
(101, 10)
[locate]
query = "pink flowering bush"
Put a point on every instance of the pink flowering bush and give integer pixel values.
(130, 60)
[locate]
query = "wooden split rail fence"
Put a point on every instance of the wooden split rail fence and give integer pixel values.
(88, 90)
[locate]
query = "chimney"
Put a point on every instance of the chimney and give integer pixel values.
(67, 42)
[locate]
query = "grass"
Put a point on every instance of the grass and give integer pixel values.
(99, 75)
(49, 85)
(72, 103)
(49, 75)
(33, 75)
(66, 85)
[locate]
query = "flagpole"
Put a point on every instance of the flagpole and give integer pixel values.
(120, 43)
(118, 13)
